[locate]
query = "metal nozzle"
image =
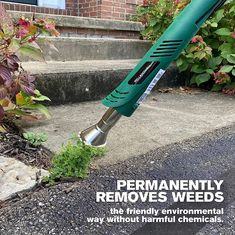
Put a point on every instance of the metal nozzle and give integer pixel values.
(96, 135)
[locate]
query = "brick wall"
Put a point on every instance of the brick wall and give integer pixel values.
(108, 9)
(90, 8)
(72, 7)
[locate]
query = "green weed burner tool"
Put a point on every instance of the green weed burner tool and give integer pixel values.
(126, 98)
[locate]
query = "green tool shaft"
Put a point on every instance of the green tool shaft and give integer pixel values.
(132, 91)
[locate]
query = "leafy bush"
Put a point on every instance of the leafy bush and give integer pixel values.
(211, 56)
(156, 15)
(17, 91)
(73, 160)
(35, 139)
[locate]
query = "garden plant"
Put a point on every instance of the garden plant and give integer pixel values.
(73, 160)
(210, 57)
(18, 95)
(36, 139)
(19, 98)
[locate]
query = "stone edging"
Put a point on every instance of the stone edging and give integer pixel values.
(16, 177)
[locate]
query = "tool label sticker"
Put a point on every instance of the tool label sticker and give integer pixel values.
(151, 86)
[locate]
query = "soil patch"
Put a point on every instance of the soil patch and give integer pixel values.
(13, 145)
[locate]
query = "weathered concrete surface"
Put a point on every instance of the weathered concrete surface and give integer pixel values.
(73, 48)
(15, 177)
(58, 67)
(84, 22)
(163, 119)
(76, 81)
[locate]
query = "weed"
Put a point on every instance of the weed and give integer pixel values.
(73, 160)
(35, 139)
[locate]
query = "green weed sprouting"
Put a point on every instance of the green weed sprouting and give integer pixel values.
(73, 160)
(35, 139)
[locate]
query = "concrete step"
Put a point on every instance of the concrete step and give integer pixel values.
(163, 119)
(72, 48)
(76, 81)
(76, 26)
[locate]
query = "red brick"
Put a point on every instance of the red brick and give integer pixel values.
(7, 6)
(12, 7)
(17, 7)
(109, 7)
(119, 9)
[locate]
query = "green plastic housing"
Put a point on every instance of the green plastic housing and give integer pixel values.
(168, 48)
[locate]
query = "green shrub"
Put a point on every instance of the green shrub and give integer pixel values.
(156, 15)
(73, 160)
(211, 56)
(18, 96)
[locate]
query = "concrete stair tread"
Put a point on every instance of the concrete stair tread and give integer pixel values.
(52, 67)
(90, 38)
(84, 22)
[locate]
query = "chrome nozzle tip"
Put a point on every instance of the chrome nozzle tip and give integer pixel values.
(96, 135)
(93, 136)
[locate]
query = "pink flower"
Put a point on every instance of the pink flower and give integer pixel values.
(22, 33)
(194, 40)
(24, 23)
(23, 27)
(221, 78)
(233, 35)
(197, 39)
(229, 91)
(49, 25)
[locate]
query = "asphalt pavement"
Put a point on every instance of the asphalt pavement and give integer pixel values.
(64, 208)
